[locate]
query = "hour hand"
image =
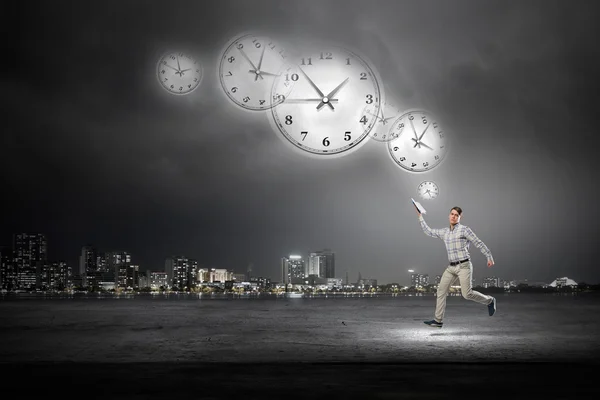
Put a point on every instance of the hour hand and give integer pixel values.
(331, 94)
(247, 58)
(423, 144)
(376, 116)
(167, 65)
(315, 86)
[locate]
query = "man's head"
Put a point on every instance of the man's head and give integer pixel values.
(455, 214)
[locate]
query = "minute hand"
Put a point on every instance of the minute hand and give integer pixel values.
(332, 93)
(314, 86)
(420, 137)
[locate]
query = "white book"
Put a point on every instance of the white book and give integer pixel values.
(419, 207)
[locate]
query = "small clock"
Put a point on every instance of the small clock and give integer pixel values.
(333, 98)
(247, 69)
(428, 190)
(179, 73)
(381, 130)
(420, 144)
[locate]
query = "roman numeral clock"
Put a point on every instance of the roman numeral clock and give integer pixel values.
(330, 98)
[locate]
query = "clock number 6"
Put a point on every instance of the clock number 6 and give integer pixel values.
(325, 141)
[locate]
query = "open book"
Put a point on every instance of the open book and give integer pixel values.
(419, 206)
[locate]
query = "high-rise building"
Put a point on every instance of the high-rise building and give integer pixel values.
(192, 277)
(120, 263)
(249, 272)
(322, 264)
(181, 272)
(212, 275)
(8, 273)
(158, 280)
(102, 262)
(419, 280)
(59, 276)
(88, 266)
(292, 270)
(490, 281)
(30, 253)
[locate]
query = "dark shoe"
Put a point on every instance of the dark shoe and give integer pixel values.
(492, 307)
(434, 323)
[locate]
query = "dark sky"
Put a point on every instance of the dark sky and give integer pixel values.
(94, 151)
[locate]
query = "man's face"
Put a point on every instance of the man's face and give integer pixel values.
(454, 217)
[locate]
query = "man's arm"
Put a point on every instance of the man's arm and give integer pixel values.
(436, 233)
(470, 235)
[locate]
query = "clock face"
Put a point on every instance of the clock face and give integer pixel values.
(381, 130)
(420, 144)
(333, 98)
(428, 190)
(179, 73)
(247, 69)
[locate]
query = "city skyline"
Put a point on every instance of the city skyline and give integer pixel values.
(90, 255)
(96, 151)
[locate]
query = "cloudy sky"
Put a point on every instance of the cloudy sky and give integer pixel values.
(94, 151)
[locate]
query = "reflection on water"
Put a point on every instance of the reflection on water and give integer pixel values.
(201, 296)
(227, 296)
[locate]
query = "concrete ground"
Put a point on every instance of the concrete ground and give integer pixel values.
(145, 347)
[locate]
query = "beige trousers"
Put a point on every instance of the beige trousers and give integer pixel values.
(463, 273)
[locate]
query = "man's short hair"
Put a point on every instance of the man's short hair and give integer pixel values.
(457, 209)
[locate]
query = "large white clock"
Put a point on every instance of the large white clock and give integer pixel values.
(179, 73)
(247, 69)
(420, 144)
(331, 99)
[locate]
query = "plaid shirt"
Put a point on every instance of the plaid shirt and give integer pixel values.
(457, 240)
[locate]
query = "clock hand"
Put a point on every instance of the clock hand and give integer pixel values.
(251, 63)
(376, 116)
(167, 65)
(425, 130)
(178, 66)
(263, 73)
(307, 100)
(421, 143)
(415, 132)
(260, 62)
(331, 94)
(314, 86)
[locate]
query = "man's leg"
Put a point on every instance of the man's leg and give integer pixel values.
(448, 279)
(465, 274)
